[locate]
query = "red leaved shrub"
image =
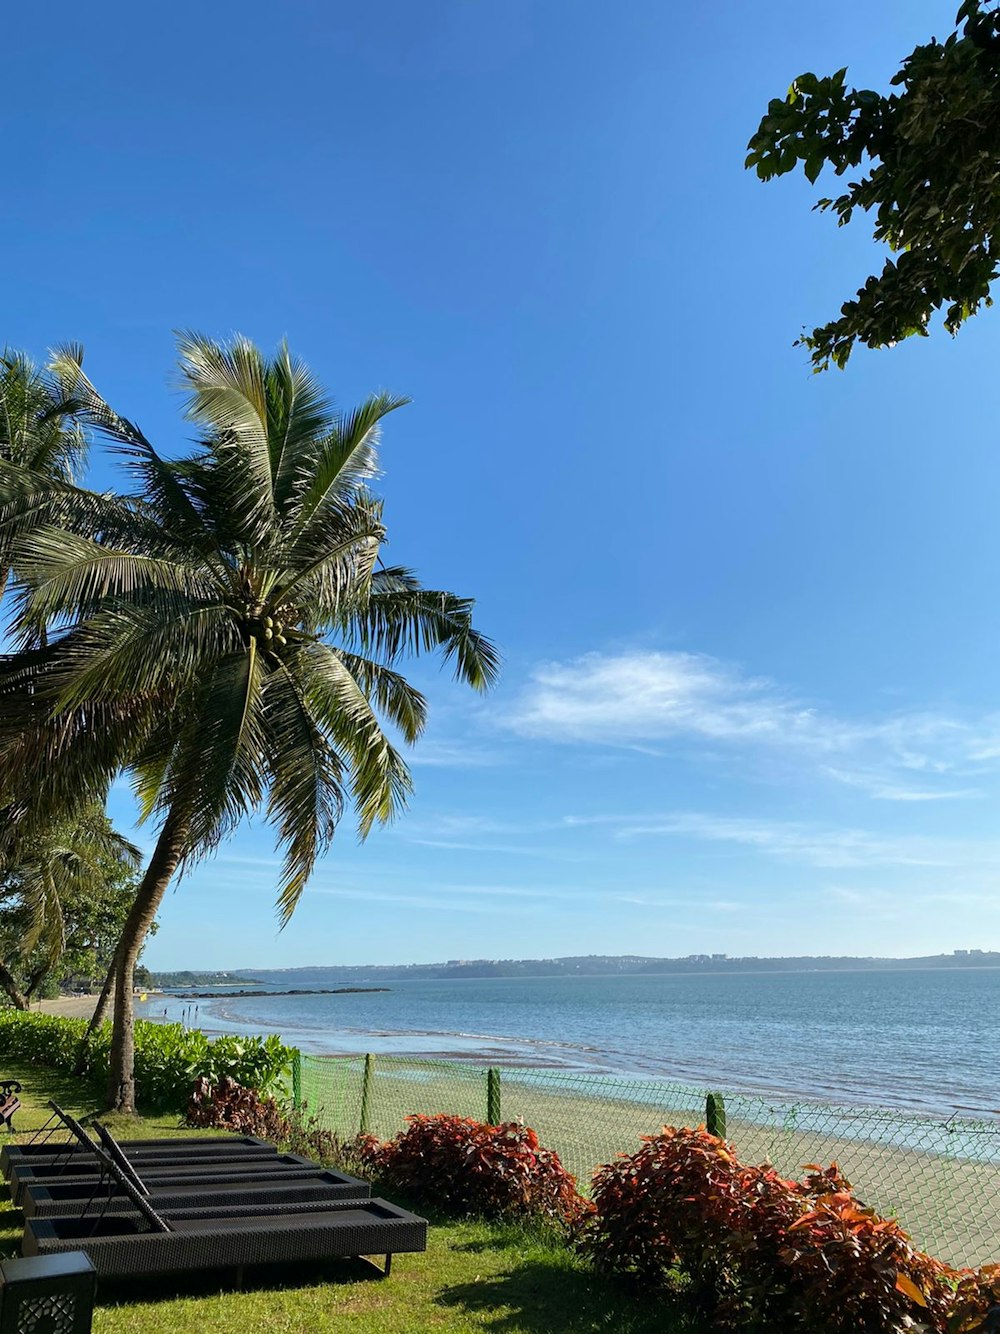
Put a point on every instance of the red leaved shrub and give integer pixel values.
(976, 1304)
(229, 1106)
(760, 1252)
(464, 1166)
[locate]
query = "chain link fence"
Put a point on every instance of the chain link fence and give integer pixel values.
(940, 1178)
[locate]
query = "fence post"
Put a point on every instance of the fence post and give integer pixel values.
(297, 1080)
(715, 1115)
(492, 1096)
(366, 1092)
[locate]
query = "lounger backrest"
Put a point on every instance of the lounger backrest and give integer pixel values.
(157, 1223)
(115, 1153)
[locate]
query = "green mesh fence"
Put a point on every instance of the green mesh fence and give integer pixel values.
(940, 1178)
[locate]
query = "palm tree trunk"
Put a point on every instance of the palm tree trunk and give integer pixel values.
(35, 980)
(98, 1017)
(162, 865)
(17, 996)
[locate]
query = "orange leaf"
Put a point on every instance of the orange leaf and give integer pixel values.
(909, 1289)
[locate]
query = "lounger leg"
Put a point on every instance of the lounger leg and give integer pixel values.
(388, 1267)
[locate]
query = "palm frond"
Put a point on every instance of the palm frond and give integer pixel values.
(227, 398)
(216, 774)
(391, 693)
(298, 414)
(306, 777)
(379, 779)
(339, 466)
(63, 573)
(409, 619)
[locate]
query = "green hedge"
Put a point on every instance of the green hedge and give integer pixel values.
(168, 1060)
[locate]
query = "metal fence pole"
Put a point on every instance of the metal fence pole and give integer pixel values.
(715, 1115)
(366, 1092)
(297, 1080)
(492, 1096)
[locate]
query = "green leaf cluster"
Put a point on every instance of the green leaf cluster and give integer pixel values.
(168, 1059)
(927, 158)
(66, 888)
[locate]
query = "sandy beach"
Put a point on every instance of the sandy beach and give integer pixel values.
(73, 1007)
(70, 1007)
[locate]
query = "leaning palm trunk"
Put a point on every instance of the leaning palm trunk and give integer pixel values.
(162, 865)
(101, 1011)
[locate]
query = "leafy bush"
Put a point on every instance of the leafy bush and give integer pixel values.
(760, 1252)
(167, 1059)
(464, 1166)
(227, 1105)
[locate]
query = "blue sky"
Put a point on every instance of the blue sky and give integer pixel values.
(751, 700)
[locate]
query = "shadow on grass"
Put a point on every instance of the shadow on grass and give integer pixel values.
(260, 1278)
(540, 1298)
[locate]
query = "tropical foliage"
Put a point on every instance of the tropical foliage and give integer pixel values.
(168, 1058)
(925, 159)
(225, 633)
(65, 893)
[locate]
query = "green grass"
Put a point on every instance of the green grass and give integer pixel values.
(473, 1277)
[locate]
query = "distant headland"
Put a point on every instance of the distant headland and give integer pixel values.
(595, 965)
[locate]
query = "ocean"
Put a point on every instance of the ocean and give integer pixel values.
(926, 1041)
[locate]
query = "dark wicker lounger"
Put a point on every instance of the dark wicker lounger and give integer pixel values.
(280, 1166)
(146, 1243)
(118, 1249)
(64, 1199)
(43, 1146)
(145, 1150)
(77, 1159)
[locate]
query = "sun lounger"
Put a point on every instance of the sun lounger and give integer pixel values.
(145, 1242)
(43, 1146)
(64, 1199)
(73, 1158)
(279, 1166)
(118, 1247)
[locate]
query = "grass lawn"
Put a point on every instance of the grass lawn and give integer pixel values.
(473, 1276)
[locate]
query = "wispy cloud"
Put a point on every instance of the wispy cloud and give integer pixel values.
(436, 754)
(878, 787)
(639, 699)
(698, 904)
(812, 845)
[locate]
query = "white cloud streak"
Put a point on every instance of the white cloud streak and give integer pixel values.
(789, 840)
(639, 699)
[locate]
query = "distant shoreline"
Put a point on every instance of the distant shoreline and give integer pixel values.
(291, 991)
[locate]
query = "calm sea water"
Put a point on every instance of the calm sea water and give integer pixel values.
(927, 1040)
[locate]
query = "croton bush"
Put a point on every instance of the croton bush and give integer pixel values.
(759, 1252)
(466, 1167)
(228, 1105)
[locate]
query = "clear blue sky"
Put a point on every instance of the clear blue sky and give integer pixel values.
(751, 701)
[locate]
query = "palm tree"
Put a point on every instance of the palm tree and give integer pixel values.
(234, 647)
(43, 444)
(61, 887)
